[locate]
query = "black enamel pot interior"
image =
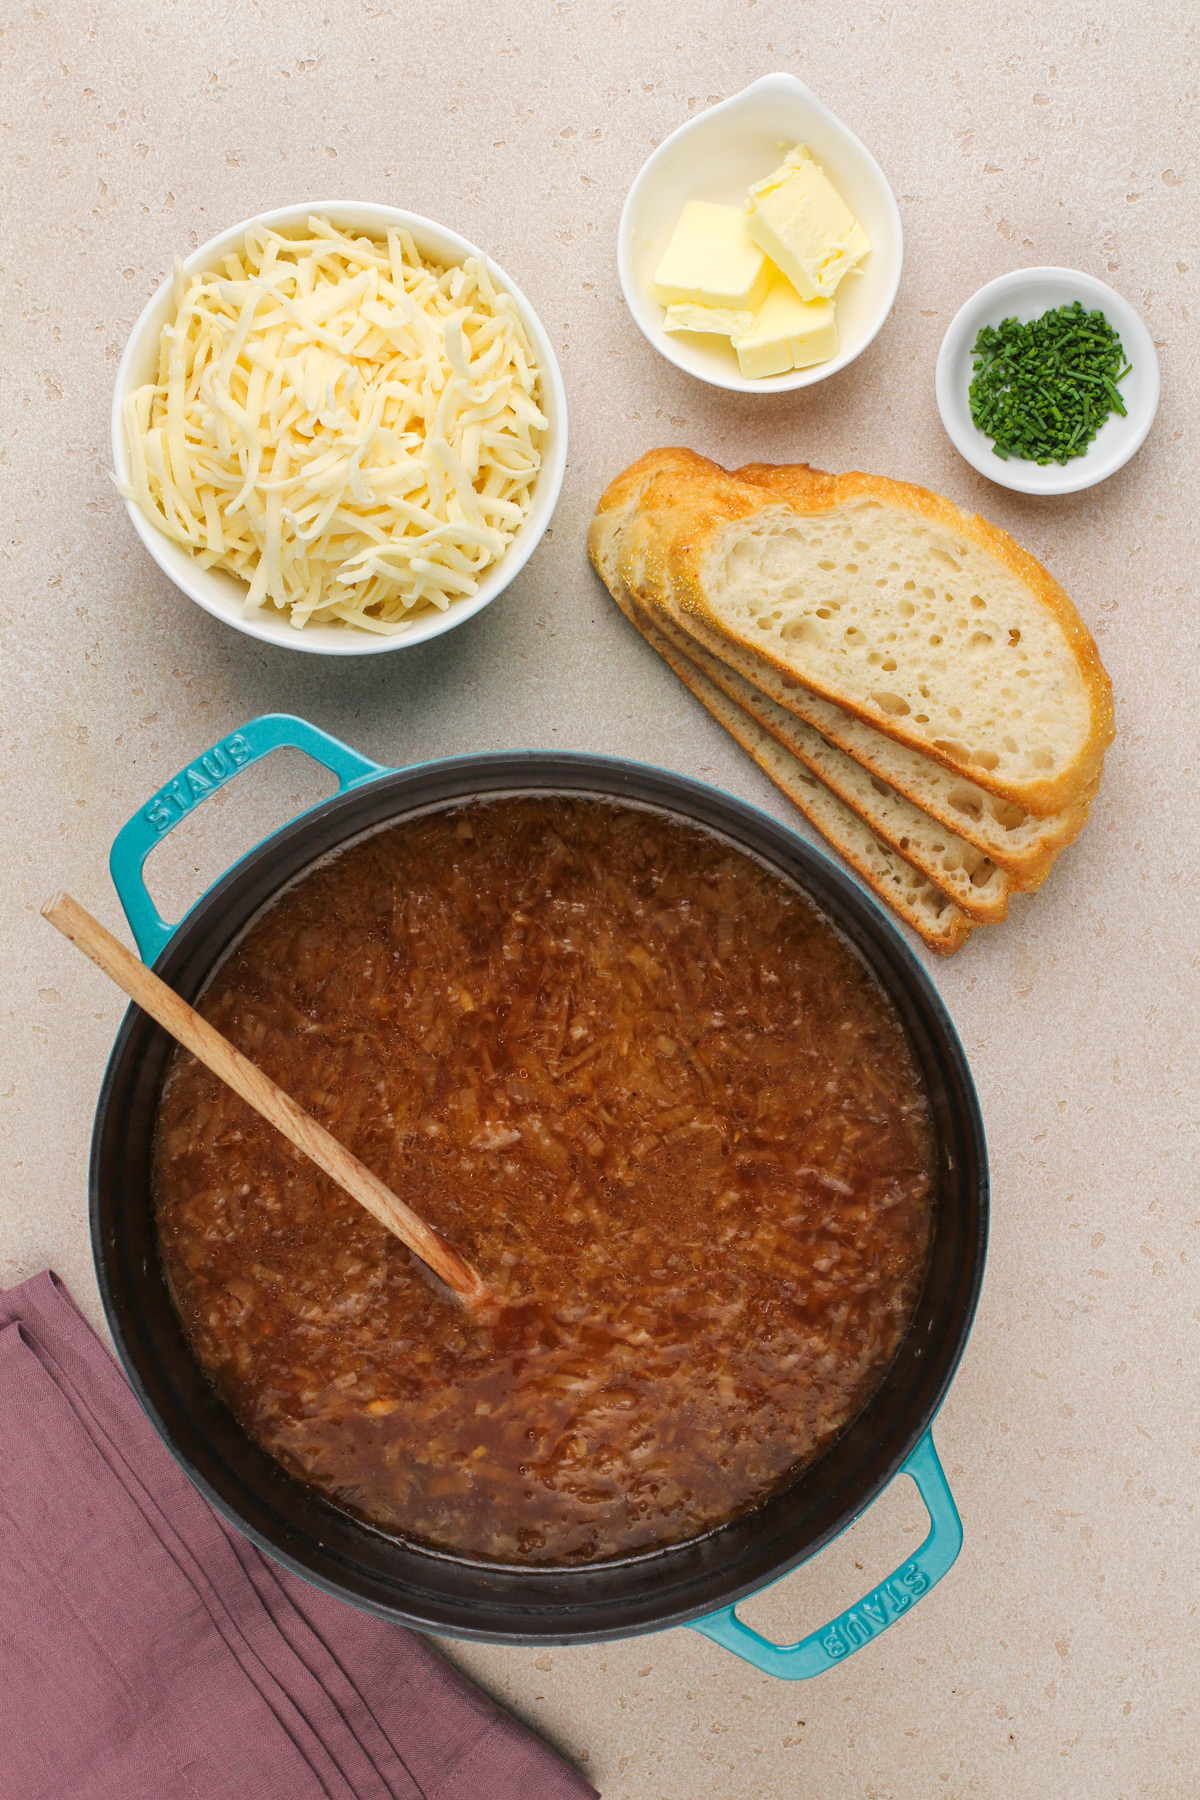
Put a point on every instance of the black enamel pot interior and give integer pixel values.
(443, 1593)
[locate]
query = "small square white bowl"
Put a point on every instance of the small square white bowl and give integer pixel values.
(223, 594)
(1024, 295)
(716, 156)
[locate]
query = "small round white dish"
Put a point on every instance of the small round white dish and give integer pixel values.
(1023, 295)
(222, 594)
(715, 157)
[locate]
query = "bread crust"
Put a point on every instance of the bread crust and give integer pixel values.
(670, 505)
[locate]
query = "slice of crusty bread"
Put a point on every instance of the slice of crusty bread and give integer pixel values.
(963, 873)
(1021, 844)
(934, 628)
(923, 906)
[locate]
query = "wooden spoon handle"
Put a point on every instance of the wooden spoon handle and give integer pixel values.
(216, 1053)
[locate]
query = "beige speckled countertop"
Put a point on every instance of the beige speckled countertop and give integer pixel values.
(1060, 1656)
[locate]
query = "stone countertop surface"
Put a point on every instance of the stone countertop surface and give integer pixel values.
(1059, 1656)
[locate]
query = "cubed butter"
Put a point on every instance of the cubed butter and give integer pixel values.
(716, 321)
(798, 217)
(789, 333)
(712, 261)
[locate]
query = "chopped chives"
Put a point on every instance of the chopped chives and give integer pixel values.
(1043, 390)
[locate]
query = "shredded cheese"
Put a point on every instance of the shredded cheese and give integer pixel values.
(353, 431)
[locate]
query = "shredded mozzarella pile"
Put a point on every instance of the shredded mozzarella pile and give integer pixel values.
(351, 430)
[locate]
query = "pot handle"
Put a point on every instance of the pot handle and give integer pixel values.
(202, 776)
(832, 1643)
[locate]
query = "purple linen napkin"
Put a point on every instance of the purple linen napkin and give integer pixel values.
(147, 1649)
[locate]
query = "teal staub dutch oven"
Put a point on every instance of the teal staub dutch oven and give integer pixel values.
(697, 1583)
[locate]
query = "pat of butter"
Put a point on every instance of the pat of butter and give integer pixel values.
(798, 217)
(711, 261)
(717, 321)
(789, 333)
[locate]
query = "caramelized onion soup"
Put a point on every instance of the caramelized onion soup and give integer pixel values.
(644, 1085)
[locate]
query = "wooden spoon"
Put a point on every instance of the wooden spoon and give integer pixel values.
(300, 1129)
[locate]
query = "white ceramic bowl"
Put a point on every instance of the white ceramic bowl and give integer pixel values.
(715, 157)
(222, 594)
(1024, 295)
